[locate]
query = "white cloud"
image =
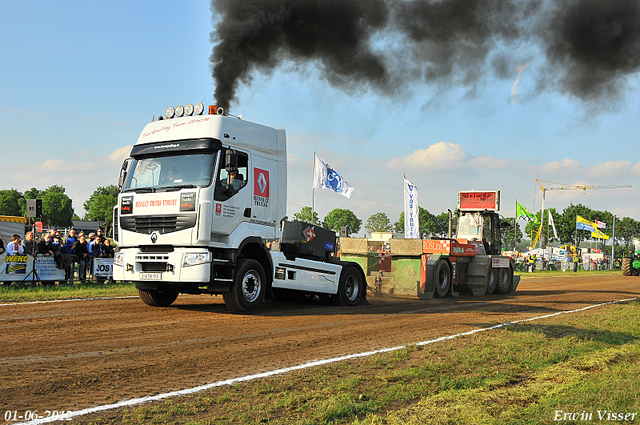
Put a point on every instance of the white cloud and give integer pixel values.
(120, 154)
(610, 169)
(565, 168)
(446, 156)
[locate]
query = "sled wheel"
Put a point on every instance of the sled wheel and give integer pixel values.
(492, 280)
(443, 278)
(505, 280)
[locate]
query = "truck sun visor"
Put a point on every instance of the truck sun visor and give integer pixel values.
(200, 145)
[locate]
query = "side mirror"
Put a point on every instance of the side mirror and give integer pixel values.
(123, 173)
(231, 160)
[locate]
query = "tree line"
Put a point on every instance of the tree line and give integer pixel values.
(57, 207)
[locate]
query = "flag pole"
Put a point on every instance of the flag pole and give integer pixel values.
(313, 184)
(515, 227)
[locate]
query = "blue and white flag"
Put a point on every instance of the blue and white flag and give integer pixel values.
(326, 177)
(411, 211)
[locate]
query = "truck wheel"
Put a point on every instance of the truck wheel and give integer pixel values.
(351, 288)
(443, 278)
(505, 280)
(158, 298)
(492, 280)
(248, 288)
(626, 267)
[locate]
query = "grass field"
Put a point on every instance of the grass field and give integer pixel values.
(31, 293)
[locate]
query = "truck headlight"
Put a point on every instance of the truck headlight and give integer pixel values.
(117, 259)
(195, 258)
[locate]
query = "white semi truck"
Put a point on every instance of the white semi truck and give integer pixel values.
(201, 197)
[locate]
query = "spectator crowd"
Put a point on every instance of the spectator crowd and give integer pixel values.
(73, 253)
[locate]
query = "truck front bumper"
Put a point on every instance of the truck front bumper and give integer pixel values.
(188, 265)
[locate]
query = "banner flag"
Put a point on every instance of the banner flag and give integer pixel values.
(411, 211)
(326, 177)
(523, 214)
(598, 234)
(555, 233)
(584, 224)
(601, 224)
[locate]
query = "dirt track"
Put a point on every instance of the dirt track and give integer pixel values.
(72, 355)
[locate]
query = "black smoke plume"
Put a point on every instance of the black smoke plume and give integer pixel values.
(591, 46)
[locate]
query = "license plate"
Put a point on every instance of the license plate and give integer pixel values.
(151, 276)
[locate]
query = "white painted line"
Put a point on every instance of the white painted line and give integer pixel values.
(69, 300)
(188, 391)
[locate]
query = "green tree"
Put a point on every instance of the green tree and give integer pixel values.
(627, 229)
(378, 222)
(9, 202)
(110, 190)
(100, 204)
(307, 216)
(102, 208)
(342, 217)
(441, 225)
(57, 209)
(509, 233)
(430, 225)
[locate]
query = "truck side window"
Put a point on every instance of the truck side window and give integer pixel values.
(232, 181)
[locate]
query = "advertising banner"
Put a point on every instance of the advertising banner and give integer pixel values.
(103, 268)
(16, 268)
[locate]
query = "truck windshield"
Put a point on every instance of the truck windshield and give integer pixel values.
(170, 172)
(470, 227)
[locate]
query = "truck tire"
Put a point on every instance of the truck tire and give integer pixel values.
(627, 266)
(158, 298)
(443, 278)
(351, 288)
(505, 280)
(248, 289)
(492, 280)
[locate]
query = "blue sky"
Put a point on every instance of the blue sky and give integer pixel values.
(81, 79)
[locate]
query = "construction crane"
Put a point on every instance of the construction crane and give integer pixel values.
(562, 186)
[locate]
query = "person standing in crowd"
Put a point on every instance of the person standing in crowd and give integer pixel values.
(44, 245)
(80, 248)
(107, 249)
(95, 247)
(14, 247)
(68, 253)
(28, 243)
(68, 244)
(1, 246)
(56, 249)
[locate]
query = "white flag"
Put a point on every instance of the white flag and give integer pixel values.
(325, 177)
(553, 225)
(411, 211)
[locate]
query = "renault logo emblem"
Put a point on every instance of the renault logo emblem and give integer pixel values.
(154, 237)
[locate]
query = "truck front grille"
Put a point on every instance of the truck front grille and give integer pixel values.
(154, 267)
(158, 223)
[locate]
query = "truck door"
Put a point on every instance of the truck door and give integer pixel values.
(232, 193)
(264, 173)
